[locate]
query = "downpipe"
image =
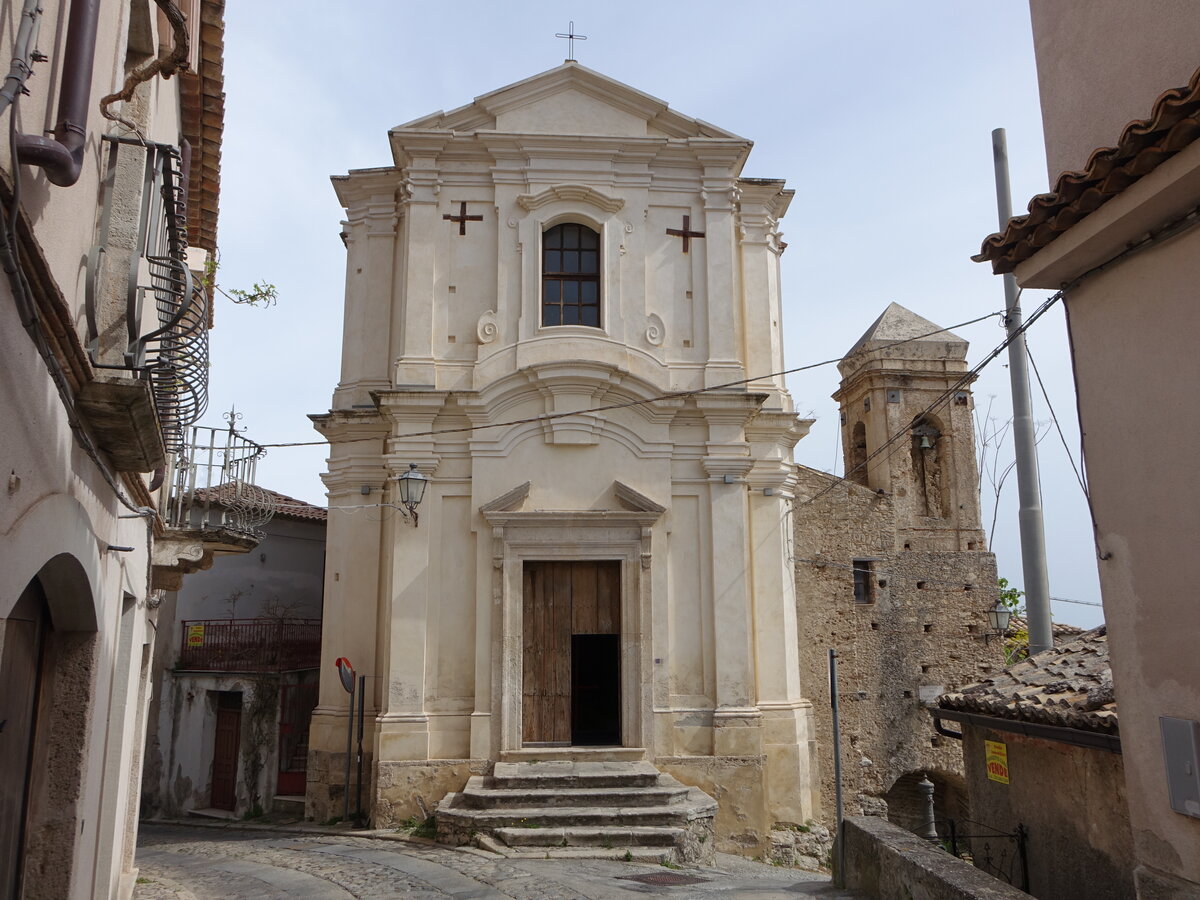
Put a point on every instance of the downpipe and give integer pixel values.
(61, 156)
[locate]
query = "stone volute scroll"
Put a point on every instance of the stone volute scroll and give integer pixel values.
(656, 331)
(487, 329)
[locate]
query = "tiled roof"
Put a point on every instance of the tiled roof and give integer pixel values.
(1069, 686)
(202, 96)
(285, 507)
(1061, 630)
(1144, 145)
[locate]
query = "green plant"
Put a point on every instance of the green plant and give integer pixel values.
(418, 827)
(667, 863)
(254, 812)
(263, 293)
(628, 857)
(144, 881)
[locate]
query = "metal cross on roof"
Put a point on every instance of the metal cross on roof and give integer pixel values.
(571, 37)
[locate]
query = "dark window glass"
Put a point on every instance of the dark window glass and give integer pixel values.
(864, 581)
(571, 276)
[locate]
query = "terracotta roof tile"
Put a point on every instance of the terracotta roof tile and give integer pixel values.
(285, 507)
(1144, 145)
(1061, 630)
(1069, 686)
(203, 102)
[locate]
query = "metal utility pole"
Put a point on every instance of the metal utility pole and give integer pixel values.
(840, 832)
(1033, 537)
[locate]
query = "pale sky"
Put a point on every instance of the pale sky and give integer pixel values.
(878, 114)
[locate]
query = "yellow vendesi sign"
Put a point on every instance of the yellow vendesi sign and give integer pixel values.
(997, 761)
(195, 636)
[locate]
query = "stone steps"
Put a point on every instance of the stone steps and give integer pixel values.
(482, 793)
(608, 837)
(559, 774)
(615, 809)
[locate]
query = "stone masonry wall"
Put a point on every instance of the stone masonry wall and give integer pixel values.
(923, 634)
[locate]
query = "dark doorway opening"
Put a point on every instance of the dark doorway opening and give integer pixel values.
(296, 704)
(225, 749)
(595, 690)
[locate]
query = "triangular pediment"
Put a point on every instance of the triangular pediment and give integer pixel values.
(569, 99)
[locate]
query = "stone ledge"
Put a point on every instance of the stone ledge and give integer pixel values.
(884, 860)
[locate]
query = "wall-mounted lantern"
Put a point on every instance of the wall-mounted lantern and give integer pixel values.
(412, 490)
(998, 618)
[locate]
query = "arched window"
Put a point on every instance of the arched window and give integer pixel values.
(856, 459)
(928, 448)
(571, 275)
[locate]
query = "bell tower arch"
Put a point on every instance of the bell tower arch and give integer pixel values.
(897, 437)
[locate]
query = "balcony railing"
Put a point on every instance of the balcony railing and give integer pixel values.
(148, 271)
(250, 645)
(213, 482)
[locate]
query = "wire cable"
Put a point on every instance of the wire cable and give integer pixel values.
(944, 397)
(1062, 437)
(625, 404)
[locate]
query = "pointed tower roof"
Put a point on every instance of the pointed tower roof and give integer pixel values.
(922, 339)
(898, 323)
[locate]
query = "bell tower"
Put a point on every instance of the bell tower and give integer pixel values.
(897, 441)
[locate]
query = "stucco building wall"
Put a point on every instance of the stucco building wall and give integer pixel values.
(1100, 65)
(1072, 801)
(1129, 315)
(63, 532)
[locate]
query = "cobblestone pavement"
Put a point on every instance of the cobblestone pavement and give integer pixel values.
(188, 862)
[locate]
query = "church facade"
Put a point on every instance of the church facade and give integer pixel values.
(563, 308)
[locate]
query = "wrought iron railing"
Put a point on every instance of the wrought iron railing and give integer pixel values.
(250, 645)
(213, 482)
(171, 350)
(1002, 854)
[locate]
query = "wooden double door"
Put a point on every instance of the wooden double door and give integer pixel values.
(571, 615)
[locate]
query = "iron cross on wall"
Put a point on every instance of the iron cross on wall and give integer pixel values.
(462, 218)
(686, 233)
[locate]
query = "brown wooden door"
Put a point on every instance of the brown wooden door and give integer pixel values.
(561, 600)
(225, 750)
(24, 632)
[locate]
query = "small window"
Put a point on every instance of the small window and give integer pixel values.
(864, 581)
(571, 276)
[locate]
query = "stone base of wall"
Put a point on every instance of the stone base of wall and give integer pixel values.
(738, 784)
(802, 846)
(412, 789)
(883, 861)
(325, 786)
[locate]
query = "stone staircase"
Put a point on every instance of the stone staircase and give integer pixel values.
(589, 810)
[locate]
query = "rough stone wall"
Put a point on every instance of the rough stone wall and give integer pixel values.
(923, 634)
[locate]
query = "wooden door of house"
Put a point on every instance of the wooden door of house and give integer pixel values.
(24, 634)
(571, 615)
(225, 750)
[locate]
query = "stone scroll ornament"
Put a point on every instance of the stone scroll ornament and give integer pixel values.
(656, 331)
(487, 329)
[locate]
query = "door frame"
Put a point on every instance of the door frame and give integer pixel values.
(572, 536)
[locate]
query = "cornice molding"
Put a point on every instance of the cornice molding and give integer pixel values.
(574, 193)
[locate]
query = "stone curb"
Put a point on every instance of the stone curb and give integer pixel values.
(375, 834)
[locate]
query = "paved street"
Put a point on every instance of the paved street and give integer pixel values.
(180, 862)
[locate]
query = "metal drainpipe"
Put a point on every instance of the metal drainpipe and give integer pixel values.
(61, 156)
